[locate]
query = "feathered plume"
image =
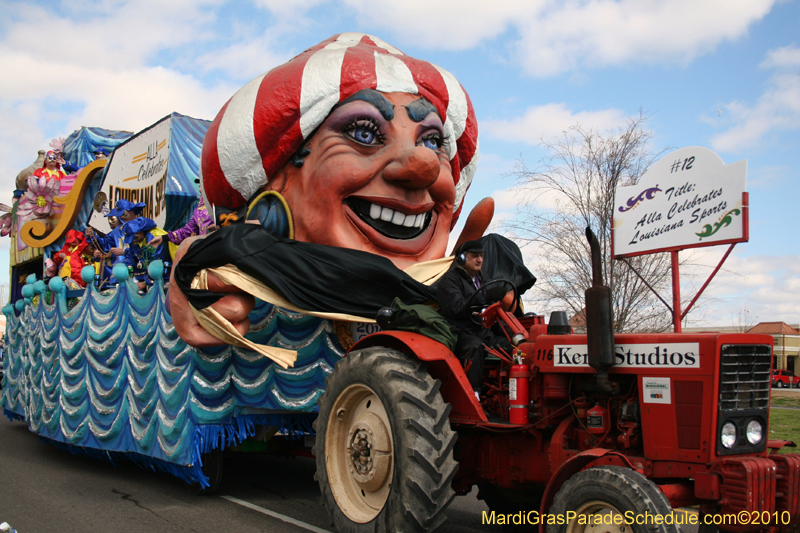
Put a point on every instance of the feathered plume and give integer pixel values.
(57, 144)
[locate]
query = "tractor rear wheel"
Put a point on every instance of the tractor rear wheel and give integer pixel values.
(384, 445)
(607, 495)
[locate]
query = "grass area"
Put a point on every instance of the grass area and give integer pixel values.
(784, 424)
(786, 402)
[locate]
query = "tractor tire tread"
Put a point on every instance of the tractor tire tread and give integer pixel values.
(423, 440)
(629, 484)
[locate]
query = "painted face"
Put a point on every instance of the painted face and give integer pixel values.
(377, 179)
(127, 216)
(138, 237)
(51, 161)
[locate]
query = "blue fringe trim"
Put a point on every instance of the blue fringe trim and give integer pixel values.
(183, 473)
(205, 439)
(211, 437)
(12, 416)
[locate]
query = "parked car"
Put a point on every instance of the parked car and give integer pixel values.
(784, 378)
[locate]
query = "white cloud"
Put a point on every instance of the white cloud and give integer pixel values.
(776, 110)
(284, 9)
(550, 120)
(99, 71)
(784, 57)
(555, 37)
(118, 35)
(126, 100)
(506, 199)
(768, 287)
(605, 32)
(243, 60)
(451, 25)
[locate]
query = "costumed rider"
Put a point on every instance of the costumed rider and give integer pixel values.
(70, 259)
(69, 168)
(51, 169)
(140, 252)
(201, 223)
(114, 243)
(105, 244)
(458, 301)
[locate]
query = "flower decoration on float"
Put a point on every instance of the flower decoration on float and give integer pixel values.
(37, 202)
(6, 220)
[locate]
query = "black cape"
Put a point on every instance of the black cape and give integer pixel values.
(323, 278)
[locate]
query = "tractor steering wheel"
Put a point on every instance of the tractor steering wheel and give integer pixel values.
(475, 308)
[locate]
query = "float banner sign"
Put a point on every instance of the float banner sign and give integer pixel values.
(688, 199)
(137, 172)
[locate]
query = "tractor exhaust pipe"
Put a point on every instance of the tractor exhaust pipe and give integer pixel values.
(599, 320)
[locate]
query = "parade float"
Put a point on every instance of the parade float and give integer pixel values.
(352, 161)
(109, 376)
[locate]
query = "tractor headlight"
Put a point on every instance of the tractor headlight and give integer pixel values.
(728, 435)
(754, 432)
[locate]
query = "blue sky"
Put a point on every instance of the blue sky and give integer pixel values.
(722, 74)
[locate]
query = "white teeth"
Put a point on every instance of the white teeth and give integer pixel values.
(396, 217)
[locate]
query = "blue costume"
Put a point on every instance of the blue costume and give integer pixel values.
(139, 255)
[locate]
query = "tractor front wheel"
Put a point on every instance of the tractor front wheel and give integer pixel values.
(611, 496)
(384, 445)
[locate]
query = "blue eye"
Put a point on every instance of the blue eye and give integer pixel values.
(364, 135)
(432, 141)
(364, 131)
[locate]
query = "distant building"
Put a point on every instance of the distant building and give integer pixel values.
(578, 322)
(787, 344)
(786, 341)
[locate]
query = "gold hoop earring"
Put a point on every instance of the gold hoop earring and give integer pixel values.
(271, 209)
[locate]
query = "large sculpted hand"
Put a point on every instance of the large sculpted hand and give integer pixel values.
(478, 220)
(235, 307)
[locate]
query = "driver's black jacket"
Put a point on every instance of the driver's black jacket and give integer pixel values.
(454, 291)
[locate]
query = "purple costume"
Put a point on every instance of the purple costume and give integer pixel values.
(200, 224)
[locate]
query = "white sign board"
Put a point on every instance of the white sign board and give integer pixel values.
(655, 356)
(137, 172)
(687, 199)
(656, 390)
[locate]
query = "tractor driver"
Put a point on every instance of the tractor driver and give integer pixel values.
(459, 297)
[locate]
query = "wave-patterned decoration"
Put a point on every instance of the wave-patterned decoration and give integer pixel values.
(111, 377)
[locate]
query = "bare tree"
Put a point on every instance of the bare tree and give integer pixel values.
(574, 188)
(744, 320)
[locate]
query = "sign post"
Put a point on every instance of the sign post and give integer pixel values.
(688, 199)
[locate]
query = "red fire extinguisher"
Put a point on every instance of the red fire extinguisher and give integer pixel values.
(597, 420)
(518, 392)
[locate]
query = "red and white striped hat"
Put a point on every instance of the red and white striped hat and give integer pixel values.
(268, 119)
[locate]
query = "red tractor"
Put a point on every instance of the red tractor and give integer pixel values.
(572, 430)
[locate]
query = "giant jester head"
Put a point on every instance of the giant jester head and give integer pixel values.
(367, 147)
